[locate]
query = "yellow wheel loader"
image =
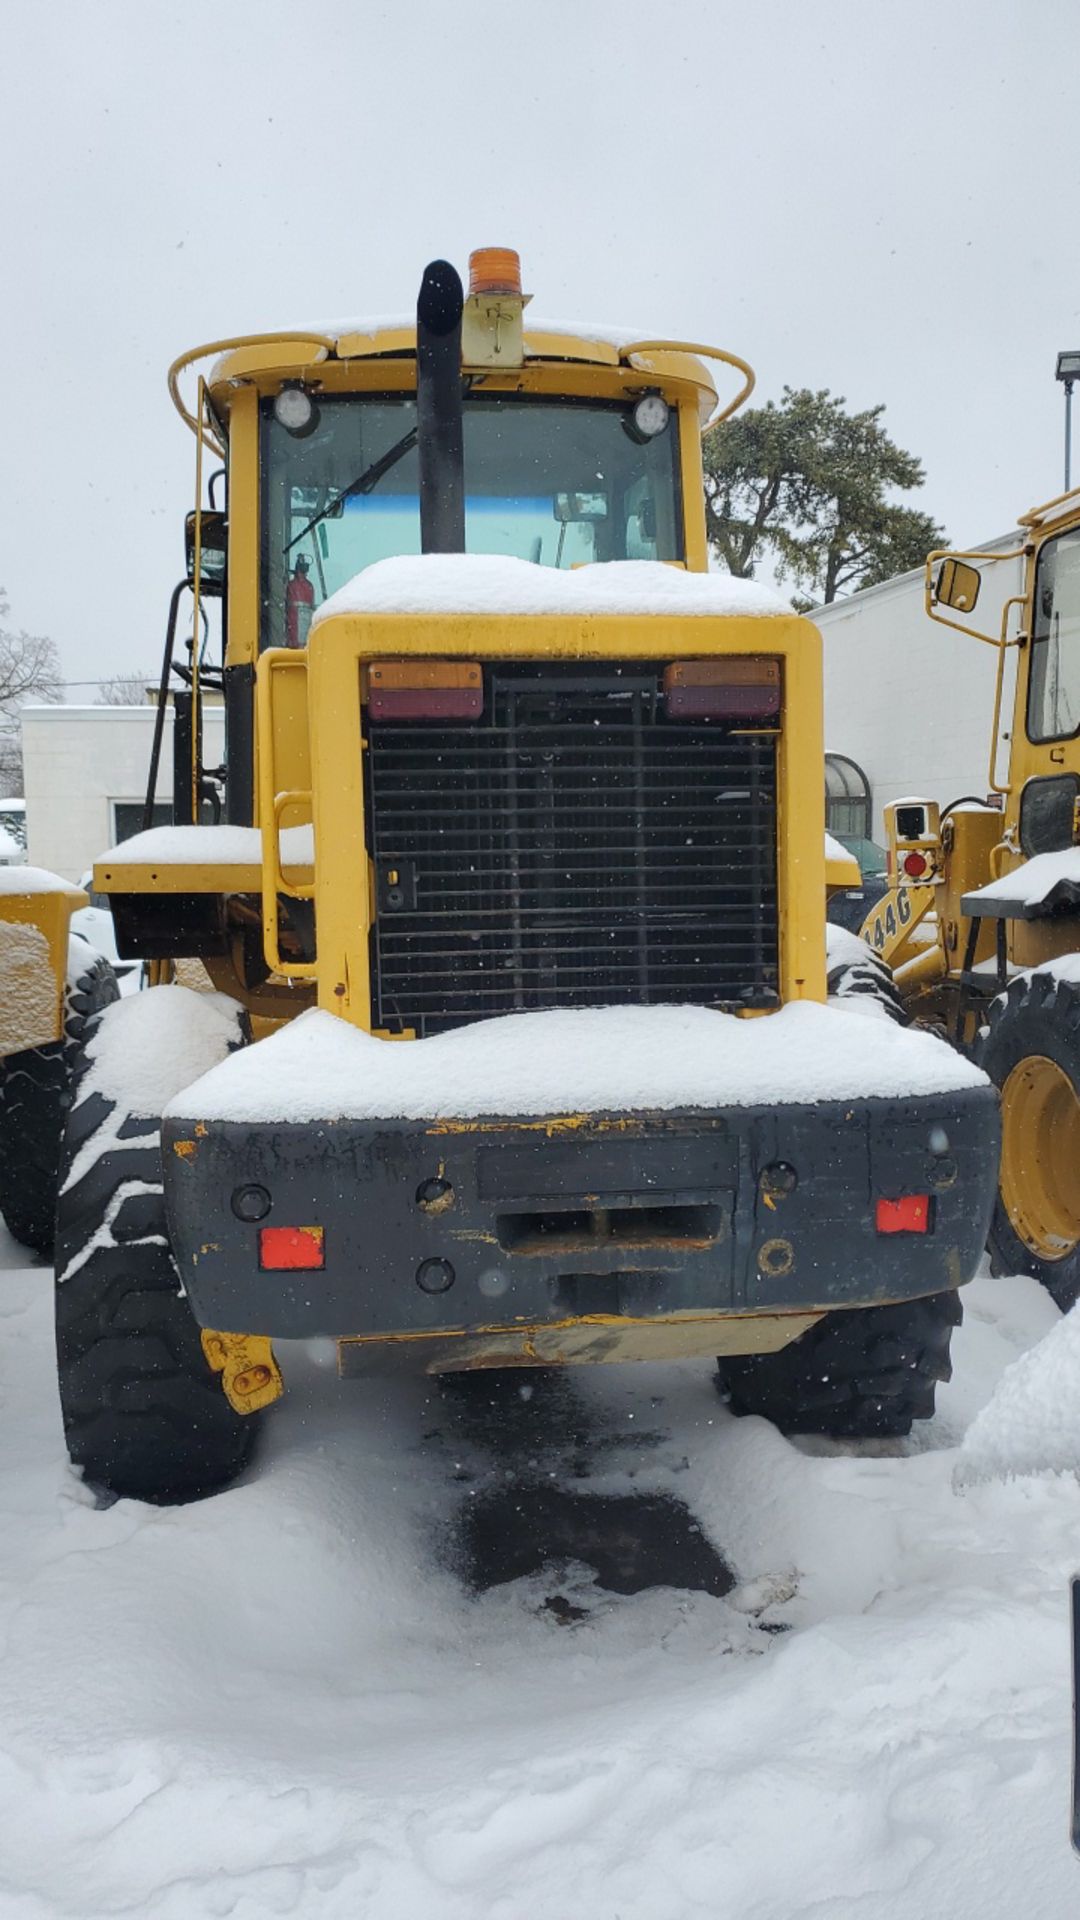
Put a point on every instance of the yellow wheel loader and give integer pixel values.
(981, 926)
(510, 897)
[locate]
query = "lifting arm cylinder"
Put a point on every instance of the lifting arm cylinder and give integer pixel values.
(439, 410)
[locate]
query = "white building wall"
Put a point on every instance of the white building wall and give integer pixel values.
(912, 701)
(79, 761)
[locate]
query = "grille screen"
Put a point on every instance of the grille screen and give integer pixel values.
(572, 848)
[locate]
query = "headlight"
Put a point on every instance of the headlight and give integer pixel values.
(295, 410)
(650, 415)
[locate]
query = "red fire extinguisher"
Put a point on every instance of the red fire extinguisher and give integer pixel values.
(299, 604)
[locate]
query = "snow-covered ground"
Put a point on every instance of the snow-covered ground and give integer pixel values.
(286, 1701)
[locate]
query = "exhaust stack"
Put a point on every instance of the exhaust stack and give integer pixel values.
(440, 441)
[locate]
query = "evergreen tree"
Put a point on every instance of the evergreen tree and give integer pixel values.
(809, 484)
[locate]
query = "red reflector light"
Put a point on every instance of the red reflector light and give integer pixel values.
(283, 1249)
(909, 1214)
(425, 690)
(914, 865)
(727, 689)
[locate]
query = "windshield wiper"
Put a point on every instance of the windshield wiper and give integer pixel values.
(364, 483)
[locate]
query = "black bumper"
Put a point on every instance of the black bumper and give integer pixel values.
(433, 1225)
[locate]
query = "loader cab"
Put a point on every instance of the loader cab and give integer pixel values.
(559, 480)
(1038, 647)
(580, 445)
(1034, 762)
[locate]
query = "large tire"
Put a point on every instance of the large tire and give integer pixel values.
(144, 1416)
(34, 1089)
(859, 977)
(862, 1374)
(1030, 1047)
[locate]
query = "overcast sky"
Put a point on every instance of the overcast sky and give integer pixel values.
(878, 199)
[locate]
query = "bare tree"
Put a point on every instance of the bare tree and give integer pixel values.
(126, 690)
(29, 666)
(29, 670)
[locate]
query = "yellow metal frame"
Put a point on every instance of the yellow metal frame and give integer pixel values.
(340, 645)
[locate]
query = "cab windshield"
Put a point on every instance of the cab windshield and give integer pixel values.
(558, 483)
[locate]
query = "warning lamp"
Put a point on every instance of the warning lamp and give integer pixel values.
(491, 323)
(494, 270)
(425, 690)
(295, 410)
(914, 865)
(734, 688)
(909, 1214)
(291, 1249)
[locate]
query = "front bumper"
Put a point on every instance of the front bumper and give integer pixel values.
(547, 1223)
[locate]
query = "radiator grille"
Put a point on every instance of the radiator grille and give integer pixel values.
(573, 848)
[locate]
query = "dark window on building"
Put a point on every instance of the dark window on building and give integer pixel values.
(847, 798)
(128, 817)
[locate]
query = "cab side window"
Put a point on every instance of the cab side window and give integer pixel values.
(1054, 687)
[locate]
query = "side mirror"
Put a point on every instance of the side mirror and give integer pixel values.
(956, 585)
(214, 547)
(570, 507)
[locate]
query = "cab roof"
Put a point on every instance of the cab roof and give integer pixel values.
(394, 336)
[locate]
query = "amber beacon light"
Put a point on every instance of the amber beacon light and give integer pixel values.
(494, 270)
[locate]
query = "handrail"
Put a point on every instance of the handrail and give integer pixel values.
(328, 345)
(707, 353)
(301, 889)
(1035, 514)
(196, 588)
(1015, 600)
(233, 344)
(273, 880)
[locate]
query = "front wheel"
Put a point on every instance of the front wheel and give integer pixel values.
(861, 1374)
(145, 1418)
(1030, 1047)
(859, 978)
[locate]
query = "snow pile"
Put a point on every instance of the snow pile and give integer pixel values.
(593, 332)
(207, 846)
(1065, 967)
(493, 583)
(150, 1046)
(146, 1047)
(1032, 1422)
(1033, 882)
(28, 994)
(240, 847)
(603, 1059)
(283, 1701)
(32, 880)
(836, 850)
